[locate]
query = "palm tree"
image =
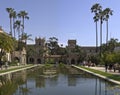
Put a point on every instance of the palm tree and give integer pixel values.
(26, 37)
(10, 11)
(101, 15)
(14, 17)
(107, 13)
(96, 8)
(17, 26)
(23, 15)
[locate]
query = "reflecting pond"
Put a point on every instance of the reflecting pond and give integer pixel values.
(55, 81)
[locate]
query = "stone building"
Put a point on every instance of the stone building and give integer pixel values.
(19, 56)
(72, 57)
(89, 50)
(36, 52)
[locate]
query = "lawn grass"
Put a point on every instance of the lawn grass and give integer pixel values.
(106, 74)
(12, 69)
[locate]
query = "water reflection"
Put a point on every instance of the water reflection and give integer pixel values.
(10, 82)
(68, 81)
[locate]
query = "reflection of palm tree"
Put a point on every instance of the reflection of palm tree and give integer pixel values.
(8, 87)
(96, 86)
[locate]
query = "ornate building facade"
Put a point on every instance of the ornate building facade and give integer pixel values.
(37, 53)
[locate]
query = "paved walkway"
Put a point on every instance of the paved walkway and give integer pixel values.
(10, 67)
(103, 69)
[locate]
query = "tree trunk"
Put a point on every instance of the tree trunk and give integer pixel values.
(11, 26)
(96, 38)
(107, 32)
(14, 27)
(101, 36)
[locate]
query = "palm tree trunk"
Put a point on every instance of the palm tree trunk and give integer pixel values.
(100, 36)
(14, 27)
(23, 25)
(106, 32)
(11, 26)
(96, 38)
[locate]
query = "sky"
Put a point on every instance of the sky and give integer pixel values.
(63, 19)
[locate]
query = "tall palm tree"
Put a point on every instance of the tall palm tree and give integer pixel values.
(107, 13)
(14, 17)
(101, 15)
(23, 15)
(10, 11)
(17, 26)
(96, 9)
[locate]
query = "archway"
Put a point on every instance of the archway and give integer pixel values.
(73, 61)
(39, 61)
(31, 60)
(17, 59)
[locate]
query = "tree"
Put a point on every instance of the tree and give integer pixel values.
(96, 9)
(17, 26)
(111, 44)
(10, 11)
(6, 44)
(26, 37)
(107, 13)
(101, 15)
(109, 57)
(23, 15)
(52, 45)
(14, 17)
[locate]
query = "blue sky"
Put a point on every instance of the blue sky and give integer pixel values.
(64, 19)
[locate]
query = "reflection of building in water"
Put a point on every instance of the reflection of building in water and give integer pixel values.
(40, 82)
(71, 81)
(52, 81)
(24, 75)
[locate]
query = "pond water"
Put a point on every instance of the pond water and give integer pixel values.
(61, 81)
